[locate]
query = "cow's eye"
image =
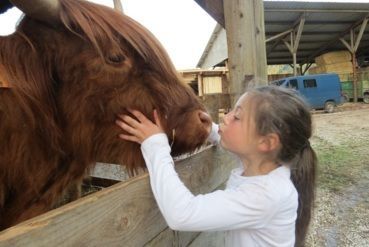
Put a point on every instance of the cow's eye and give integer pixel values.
(116, 58)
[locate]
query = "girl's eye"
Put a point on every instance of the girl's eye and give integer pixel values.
(236, 118)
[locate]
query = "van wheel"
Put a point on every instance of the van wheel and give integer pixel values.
(329, 107)
(366, 98)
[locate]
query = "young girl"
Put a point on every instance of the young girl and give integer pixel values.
(268, 201)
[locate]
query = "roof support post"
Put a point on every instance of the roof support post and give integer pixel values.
(295, 40)
(294, 64)
(352, 47)
(280, 35)
(307, 67)
(360, 35)
(200, 84)
(118, 6)
(273, 46)
(299, 32)
(244, 22)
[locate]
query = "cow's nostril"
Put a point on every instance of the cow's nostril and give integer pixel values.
(205, 118)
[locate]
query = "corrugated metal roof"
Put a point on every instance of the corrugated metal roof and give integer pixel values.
(325, 23)
(331, 6)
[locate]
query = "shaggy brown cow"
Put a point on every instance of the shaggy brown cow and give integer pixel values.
(72, 67)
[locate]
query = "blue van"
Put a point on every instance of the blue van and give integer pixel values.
(321, 91)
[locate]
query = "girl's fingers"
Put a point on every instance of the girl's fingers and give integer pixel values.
(129, 138)
(121, 116)
(126, 127)
(141, 117)
(131, 121)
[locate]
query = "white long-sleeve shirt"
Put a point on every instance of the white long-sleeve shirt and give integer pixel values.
(255, 211)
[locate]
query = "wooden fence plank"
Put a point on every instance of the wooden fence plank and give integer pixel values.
(124, 214)
(209, 239)
(109, 217)
(165, 238)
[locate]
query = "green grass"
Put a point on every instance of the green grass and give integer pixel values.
(339, 166)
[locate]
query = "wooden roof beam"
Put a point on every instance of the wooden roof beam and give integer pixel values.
(318, 10)
(338, 37)
(214, 8)
(311, 22)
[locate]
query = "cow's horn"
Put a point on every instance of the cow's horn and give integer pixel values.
(42, 10)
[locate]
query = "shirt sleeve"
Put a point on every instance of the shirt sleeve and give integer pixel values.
(246, 207)
(214, 137)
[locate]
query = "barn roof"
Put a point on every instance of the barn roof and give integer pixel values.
(324, 24)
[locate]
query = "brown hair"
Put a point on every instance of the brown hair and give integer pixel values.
(283, 112)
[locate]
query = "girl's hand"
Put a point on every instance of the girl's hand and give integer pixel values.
(139, 130)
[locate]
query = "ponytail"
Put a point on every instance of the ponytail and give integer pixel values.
(303, 175)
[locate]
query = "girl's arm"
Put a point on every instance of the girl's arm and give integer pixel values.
(220, 210)
(248, 206)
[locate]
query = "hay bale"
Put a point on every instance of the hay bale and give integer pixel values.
(315, 70)
(333, 57)
(345, 77)
(344, 70)
(339, 68)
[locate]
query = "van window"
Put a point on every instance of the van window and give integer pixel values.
(293, 84)
(309, 83)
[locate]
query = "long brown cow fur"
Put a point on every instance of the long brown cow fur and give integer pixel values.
(68, 83)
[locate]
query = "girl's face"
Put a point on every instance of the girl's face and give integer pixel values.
(238, 133)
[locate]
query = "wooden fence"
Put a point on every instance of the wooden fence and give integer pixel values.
(126, 213)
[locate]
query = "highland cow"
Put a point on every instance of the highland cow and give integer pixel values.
(70, 68)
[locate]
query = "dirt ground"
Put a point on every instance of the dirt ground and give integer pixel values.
(341, 214)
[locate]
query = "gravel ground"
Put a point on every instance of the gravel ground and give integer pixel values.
(341, 215)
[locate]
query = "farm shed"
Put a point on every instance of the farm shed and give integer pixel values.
(297, 32)
(212, 86)
(206, 81)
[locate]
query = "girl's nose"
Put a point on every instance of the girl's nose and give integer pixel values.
(226, 118)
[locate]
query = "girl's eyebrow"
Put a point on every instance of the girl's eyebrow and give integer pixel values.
(238, 110)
